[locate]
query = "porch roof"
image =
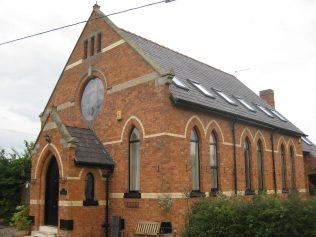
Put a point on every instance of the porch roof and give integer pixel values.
(89, 150)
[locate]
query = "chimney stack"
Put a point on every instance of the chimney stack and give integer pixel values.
(268, 96)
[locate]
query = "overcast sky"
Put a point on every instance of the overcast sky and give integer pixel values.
(276, 40)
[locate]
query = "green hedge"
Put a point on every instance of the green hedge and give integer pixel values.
(15, 170)
(262, 216)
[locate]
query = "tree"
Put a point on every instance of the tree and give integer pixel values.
(15, 171)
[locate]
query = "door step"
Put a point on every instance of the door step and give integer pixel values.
(45, 231)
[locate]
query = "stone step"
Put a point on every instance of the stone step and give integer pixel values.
(50, 229)
(45, 231)
(38, 233)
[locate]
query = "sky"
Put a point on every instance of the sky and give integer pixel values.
(275, 41)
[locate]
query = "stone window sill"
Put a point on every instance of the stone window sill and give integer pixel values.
(249, 192)
(196, 193)
(91, 203)
(133, 194)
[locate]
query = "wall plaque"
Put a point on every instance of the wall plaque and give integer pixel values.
(63, 192)
(132, 204)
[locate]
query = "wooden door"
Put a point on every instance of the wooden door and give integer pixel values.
(51, 193)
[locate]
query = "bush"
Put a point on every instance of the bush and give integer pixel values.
(263, 216)
(20, 219)
(15, 171)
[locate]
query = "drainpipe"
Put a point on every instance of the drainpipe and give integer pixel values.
(106, 224)
(235, 162)
(273, 163)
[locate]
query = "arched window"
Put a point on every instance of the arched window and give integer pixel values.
(247, 165)
(194, 153)
(260, 165)
(89, 187)
(283, 168)
(292, 168)
(134, 164)
(214, 162)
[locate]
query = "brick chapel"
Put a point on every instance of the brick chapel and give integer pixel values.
(134, 131)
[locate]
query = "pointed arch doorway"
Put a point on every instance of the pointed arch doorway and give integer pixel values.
(51, 193)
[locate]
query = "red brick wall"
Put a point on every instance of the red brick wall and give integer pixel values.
(310, 170)
(164, 138)
(310, 164)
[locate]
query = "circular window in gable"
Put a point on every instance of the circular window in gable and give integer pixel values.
(92, 99)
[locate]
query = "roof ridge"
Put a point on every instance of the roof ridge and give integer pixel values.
(178, 53)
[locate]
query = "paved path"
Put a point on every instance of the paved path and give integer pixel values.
(6, 231)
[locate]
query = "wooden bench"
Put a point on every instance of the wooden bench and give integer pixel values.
(147, 228)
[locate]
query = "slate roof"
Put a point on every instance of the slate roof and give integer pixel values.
(187, 68)
(89, 150)
(309, 148)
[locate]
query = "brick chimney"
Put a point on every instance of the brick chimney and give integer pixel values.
(268, 96)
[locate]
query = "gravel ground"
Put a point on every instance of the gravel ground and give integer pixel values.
(6, 231)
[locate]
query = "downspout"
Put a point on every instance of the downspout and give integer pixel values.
(234, 154)
(273, 163)
(106, 224)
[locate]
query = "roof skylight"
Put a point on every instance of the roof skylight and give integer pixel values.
(202, 89)
(222, 94)
(178, 83)
(306, 141)
(280, 116)
(266, 111)
(244, 103)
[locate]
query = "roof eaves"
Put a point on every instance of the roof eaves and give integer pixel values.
(93, 164)
(180, 101)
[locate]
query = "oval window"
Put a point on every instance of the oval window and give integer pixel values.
(92, 99)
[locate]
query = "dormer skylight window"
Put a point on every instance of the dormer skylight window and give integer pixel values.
(266, 111)
(179, 83)
(280, 116)
(306, 141)
(244, 103)
(225, 97)
(202, 89)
